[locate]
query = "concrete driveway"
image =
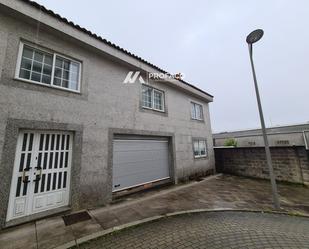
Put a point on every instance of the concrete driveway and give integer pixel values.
(216, 192)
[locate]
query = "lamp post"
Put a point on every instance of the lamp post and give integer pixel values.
(253, 37)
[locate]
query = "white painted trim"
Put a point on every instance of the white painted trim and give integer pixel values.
(14, 179)
(200, 156)
(46, 85)
(148, 108)
(79, 71)
(202, 110)
(54, 54)
(153, 89)
(163, 96)
(206, 147)
(18, 63)
(53, 71)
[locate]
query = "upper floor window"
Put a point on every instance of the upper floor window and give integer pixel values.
(196, 111)
(152, 98)
(41, 67)
(199, 148)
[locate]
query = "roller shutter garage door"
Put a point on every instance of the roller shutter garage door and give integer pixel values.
(139, 161)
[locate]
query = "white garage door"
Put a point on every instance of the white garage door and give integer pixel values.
(136, 162)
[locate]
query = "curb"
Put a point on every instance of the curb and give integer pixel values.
(96, 235)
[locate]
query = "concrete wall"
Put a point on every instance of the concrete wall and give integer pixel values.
(290, 164)
(104, 103)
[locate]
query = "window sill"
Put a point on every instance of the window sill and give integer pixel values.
(198, 120)
(46, 85)
(200, 157)
(153, 111)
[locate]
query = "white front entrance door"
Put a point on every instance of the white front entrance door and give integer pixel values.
(41, 174)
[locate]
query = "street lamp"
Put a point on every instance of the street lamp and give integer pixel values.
(253, 37)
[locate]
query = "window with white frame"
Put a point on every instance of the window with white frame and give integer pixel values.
(199, 148)
(147, 96)
(196, 111)
(152, 98)
(41, 67)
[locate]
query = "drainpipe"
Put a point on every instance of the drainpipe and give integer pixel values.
(305, 140)
(299, 165)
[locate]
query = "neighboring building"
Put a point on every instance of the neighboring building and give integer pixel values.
(289, 135)
(71, 133)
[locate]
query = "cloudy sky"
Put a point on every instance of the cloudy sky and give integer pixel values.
(206, 41)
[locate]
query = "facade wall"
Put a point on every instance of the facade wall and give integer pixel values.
(104, 103)
(290, 164)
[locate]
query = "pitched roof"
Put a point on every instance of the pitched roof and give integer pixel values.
(76, 26)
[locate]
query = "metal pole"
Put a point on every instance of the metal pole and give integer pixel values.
(267, 150)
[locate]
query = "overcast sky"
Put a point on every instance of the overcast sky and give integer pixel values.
(206, 41)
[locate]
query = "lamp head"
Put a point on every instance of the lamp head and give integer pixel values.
(255, 36)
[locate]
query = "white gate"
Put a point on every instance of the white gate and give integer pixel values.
(41, 175)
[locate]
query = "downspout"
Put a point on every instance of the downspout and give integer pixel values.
(299, 165)
(305, 140)
(306, 147)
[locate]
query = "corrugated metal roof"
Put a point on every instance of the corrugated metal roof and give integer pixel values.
(76, 26)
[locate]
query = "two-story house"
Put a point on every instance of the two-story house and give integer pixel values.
(72, 133)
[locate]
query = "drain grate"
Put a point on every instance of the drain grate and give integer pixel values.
(75, 218)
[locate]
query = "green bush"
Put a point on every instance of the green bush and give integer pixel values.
(230, 142)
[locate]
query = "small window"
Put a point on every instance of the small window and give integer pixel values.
(196, 111)
(199, 148)
(147, 97)
(48, 68)
(66, 73)
(157, 100)
(36, 66)
(152, 98)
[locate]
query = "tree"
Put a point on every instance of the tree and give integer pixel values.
(230, 142)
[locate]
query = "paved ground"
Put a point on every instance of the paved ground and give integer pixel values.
(222, 191)
(212, 230)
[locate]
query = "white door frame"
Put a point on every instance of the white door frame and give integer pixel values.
(63, 152)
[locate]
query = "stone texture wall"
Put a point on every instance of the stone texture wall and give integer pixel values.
(290, 164)
(104, 103)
